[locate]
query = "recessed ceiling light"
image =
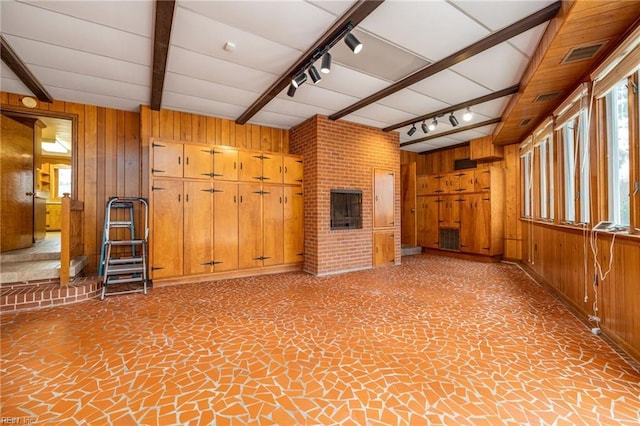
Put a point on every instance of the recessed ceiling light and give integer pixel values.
(29, 102)
(229, 46)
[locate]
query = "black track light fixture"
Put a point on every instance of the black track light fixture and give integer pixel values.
(314, 74)
(433, 124)
(425, 128)
(299, 80)
(412, 130)
(325, 68)
(353, 43)
(292, 90)
(453, 120)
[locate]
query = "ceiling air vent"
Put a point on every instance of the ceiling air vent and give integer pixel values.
(524, 122)
(546, 97)
(581, 53)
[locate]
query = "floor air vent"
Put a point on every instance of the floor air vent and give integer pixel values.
(449, 239)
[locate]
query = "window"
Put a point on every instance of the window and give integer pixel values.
(64, 182)
(583, 161)
(546, 178)
(528, 187)
(569, 153)
(618, 153)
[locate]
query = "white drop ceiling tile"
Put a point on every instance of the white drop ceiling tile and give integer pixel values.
(178, 83)
(418, 147)
(294, 109)
(496, 68)
(351, 82)
(32, 22)
(497, 15)
(413, 102)
(207, 36)
(133, 16)
(185, 103)
(383, 114)
(528, 41)
(272, 119)
(13, 85)
(336, 7)
(432, 29)
(317, 95)
(61, 58)
(86, 98)
(378, 58)
(296, 24)
(449, 87)
(486, 110)
(83, 83)
(366, 121)
(196, 65)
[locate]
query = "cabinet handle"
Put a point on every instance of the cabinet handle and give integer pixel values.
(234, 165)
(234, 199)
(280, 200)
(285, 169)
(186, 161)
(186, 198)
(241, 199)
(179, 197)
(241, 165)
(178, 159)
(285, 200)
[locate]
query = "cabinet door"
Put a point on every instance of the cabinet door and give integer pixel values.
(54, 217)
(167, 232)
(250, 225)
(383, 248)
(449, 212)
(435, 183)
(225, 232)
(198, 227)
(450, 183)
(422, 185)
(431, 231)
(273, 225)
(483, 180)
(475, 228)
(272, 168)
(293, 224)
(466, 182)
(250, 166)
(225, 163)
(166, 159)
(293, 170)
(198, 161)
(383, 198)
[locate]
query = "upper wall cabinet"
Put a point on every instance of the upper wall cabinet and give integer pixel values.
(257, 166)
(166, 159)
(225, 163)
(293, 170)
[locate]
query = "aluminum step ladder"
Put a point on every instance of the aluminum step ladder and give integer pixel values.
(125, 261)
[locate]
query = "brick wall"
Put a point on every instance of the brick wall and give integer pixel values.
(342, 155)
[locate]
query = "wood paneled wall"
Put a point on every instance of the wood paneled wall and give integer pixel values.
(111, 151)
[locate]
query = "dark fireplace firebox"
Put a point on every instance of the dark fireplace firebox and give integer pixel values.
(346, 209)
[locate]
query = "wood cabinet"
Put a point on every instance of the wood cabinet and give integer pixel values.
(467, 216)
(293, 224)
(484, 149)
(166, 238)
(221, 209)
(383, 248)
(54, 217)
(383, 199)
(429, 184)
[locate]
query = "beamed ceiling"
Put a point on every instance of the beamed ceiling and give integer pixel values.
(421, 59)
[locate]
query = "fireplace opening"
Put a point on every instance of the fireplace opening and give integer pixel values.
(346, 209)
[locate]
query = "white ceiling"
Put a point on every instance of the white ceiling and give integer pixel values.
(100, 52)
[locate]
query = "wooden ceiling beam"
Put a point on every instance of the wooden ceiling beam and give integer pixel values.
(161, 38)
(452, 131)
(467, 104)
(488, 42)
(360, 10)
(18, 67)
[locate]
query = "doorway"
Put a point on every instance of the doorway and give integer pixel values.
(34, 186)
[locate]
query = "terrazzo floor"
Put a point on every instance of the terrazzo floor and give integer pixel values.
(433, 341)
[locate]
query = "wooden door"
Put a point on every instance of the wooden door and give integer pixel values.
(293, 170)
(293, 224)
(250, 169)
(421, 220)
(272, 168)
(225, 163)
(225, 232)
(383, 248)
(273, 225)
(475, 227)
(17, 185)
(166, 159)
(432, 228)
(466, 181)
(449, 211)
(198, 161)
(408, 204)
(483, 180)
(383, 198)
(198, 227)
(166, 234)
(250, 225)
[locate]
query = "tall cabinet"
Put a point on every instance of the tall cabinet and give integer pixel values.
(218, 210)
(462, 211)
(383, 217)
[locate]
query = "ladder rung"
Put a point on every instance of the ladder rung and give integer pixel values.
(122, 205)
(120, 223)
(124, 260)
(124, 269)
(125, 242)
(124, 280)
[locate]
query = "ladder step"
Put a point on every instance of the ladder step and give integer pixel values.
(122, 205)
(124, 260)
(120, 224)
(124, 269)
(118, 280)
(125, 242)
